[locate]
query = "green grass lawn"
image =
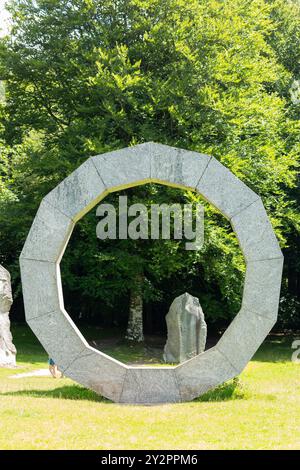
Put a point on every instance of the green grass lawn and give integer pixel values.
(259, 410)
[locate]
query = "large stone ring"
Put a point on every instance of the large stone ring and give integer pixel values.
(80, 192)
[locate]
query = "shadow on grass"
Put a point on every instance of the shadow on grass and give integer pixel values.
(67, 392)
(232, 390)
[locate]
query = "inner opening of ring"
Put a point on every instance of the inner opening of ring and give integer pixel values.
(122, 275)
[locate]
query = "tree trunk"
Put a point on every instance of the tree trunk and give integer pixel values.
(135, 322)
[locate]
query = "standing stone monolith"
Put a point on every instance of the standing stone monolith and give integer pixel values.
(186, 329)
(7, 348)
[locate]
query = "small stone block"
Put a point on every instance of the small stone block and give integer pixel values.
(262, 287)
(243, 337)
(224, 190)
(255, 233)
(79, 192)
(124, 168)
(147, 385)
(173, 166)
(98, 372)
(202, 373)
(41, 286)
(59, 336)
(49, 234)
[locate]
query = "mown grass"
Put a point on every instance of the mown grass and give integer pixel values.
(258, 410)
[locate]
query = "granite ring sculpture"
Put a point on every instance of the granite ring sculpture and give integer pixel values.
(80, 192)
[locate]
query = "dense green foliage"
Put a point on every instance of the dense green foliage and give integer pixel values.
(84, 77)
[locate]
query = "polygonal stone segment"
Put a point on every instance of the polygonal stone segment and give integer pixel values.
(124, 168)
(255, 233)
(48, 234)
(79, 192)
(177, 167)
(224, 190)
(41, 286)
(149, 385)
(262, 287)
(202, 373)
(59, 336)
(98, 372)
(243, 337)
